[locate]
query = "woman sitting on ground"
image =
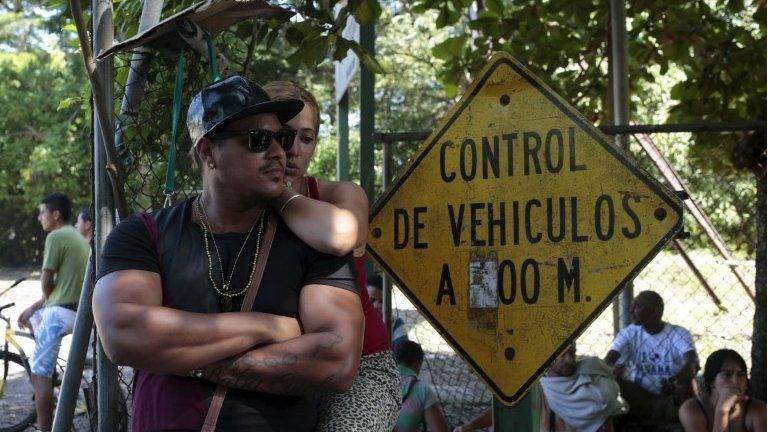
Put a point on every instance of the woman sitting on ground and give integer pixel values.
(724, 404)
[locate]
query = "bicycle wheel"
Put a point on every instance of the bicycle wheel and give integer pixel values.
(17, 403)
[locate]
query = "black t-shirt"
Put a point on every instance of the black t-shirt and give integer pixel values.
(169, 402)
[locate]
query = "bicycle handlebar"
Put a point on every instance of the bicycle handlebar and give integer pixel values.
(6, 306)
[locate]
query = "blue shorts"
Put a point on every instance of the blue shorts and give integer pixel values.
(50, 325)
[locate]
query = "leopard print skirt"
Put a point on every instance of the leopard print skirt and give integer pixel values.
(373, 402)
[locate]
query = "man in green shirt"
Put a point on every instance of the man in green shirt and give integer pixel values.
(53, 316)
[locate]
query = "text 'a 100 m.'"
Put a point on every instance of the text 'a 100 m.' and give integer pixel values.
(506, 219)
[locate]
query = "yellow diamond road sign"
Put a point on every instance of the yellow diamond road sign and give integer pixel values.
(516, 224)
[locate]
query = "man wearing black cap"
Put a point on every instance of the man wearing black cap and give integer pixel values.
(170, 283)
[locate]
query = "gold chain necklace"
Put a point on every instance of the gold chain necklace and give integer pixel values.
(225, 289)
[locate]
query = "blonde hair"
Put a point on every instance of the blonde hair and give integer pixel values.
(290, 90)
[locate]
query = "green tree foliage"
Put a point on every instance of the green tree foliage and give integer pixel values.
(44, 143)
(428, 50)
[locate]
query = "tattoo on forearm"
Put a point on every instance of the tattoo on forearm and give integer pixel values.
(248, 373)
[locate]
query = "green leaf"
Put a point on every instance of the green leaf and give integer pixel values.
(69, 28)
(450, 89)
(483, 20)
(450, 47)
(495, 6)
(447, 17)
(419, 8)
(342, 48)
(67, 102)
(294, 35)
(262, 33)
(311, 52)
(271, 37)
(368, 60)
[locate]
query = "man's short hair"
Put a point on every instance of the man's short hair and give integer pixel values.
(409, 353)
(654, 298)
(58, 202)
(374, 280)
(85, 213)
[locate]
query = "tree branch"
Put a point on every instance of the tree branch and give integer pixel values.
(82, 36)
(251, 49)
(114, 167)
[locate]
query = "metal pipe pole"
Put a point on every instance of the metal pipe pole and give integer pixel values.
(620, 81)
(342, 153)
(386, 294)
(103, 35)
(137, 74)
(367, 112)
(81, 334)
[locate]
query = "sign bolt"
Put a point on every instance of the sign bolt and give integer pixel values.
(509, 353)
(504, 100)
(660, 214)
(376, 232)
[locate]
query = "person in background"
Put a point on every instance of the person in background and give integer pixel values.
(53, 316)
(654, 362)
(332, 217)
(724, 404)
(575, 396)
(421, 406)
(84, 224)
(375, 292)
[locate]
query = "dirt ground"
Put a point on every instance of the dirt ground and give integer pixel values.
(17, 397)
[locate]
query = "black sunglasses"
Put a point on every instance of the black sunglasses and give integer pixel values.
(260, 139)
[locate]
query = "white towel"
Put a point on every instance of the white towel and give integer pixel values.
(587, 398)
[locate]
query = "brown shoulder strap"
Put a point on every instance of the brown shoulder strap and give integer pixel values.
(218, 397)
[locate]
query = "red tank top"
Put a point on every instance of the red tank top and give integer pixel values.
(375, 338)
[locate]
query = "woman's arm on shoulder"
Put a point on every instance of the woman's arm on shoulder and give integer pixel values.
(691, 417)
(336, 225)
(351, 197)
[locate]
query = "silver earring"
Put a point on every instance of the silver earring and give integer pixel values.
(211, 165)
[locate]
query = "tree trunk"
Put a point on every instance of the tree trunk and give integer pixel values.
(758, 375)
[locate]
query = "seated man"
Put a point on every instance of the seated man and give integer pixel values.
(581, 396)
(655, 362)
(575, 396)
(420, 404)
(172, 286)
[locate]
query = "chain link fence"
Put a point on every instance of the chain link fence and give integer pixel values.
(718, 315)
(727, 195)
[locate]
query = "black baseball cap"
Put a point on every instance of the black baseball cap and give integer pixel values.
(230, 99)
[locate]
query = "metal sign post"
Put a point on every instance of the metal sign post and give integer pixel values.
(345, 71)
(516, 224)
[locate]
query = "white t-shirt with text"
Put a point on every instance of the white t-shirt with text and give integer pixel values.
(651, 358)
